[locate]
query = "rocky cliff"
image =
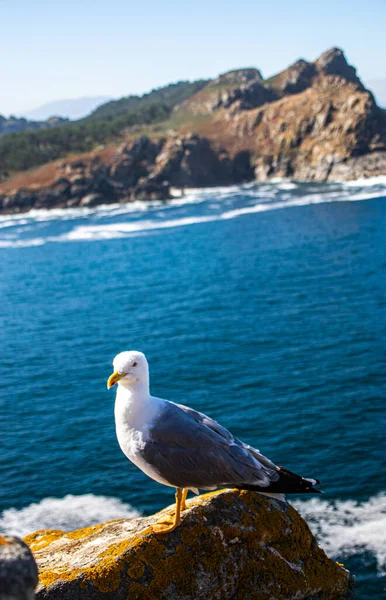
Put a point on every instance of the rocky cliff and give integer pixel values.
(231, 544)
(313, 121)
(140, 170)
(301, 123)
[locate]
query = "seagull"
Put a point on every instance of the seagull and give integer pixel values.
(185, 449)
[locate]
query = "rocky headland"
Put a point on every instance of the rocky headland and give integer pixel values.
(231, 544)
(313, 121)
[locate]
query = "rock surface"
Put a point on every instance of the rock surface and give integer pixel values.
(18, 570)
(231, 544)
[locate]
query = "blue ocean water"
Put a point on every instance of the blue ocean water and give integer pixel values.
(263, 305)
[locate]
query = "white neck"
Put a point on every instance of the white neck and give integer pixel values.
(133, 405)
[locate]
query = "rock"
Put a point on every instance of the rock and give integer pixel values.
(91, 200)
(18, 570)
(238, 77)
(134, 161)
(302, 74)
(244, 86)
(231, 544)
(295, 79)
(368, 165)
(19, 201)
(192, 161)
(242, 169)
(333, 62)
(151, 190)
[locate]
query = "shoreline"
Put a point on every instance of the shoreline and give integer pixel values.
(138, 218)
(23, 201)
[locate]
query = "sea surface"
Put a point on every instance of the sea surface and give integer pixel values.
(263, 305)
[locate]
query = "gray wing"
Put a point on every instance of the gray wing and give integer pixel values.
(191, 450)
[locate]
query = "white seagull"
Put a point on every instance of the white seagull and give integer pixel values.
(182, 448)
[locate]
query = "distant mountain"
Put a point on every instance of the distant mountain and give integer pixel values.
(378, 87)
(72, 108)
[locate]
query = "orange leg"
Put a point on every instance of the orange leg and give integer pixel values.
(183, 501)
(168, 524)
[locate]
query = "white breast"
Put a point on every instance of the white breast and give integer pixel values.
(133, 417)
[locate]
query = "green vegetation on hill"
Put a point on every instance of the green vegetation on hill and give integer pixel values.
(169, 96)
(24, 150)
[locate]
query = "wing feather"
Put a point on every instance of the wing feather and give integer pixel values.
(192, 450)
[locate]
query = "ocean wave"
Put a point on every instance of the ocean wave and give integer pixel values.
(67, 514)
(221, 203)
(346, 528)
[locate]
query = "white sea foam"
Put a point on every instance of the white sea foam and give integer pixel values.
(144, 217)
(67, 514)
(347, 528)
(367, 181)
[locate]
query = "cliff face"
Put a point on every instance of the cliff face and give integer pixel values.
(139, 170)
(312, 121)
(304, 135)
(302, 122)
(230, 545)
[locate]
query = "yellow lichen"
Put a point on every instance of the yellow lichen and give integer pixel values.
(42, 538)
(136, 569)
(265, 542)
(47, 578)
(83, 533)
(3, 541)
(105, 577)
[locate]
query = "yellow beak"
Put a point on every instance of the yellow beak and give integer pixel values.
(114, 378)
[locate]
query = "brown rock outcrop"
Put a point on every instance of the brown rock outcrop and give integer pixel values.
(305, 135)
(244, 86)
(140, 170)
(192, 161)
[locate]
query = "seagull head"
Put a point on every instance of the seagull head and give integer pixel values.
(130, 369)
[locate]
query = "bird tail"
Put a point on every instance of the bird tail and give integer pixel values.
(286, 483)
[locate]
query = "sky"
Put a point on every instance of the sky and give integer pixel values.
(53, 50)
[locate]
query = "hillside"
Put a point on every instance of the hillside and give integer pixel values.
(312, 121)
(23, 151)
(168, 96)
(16, 124)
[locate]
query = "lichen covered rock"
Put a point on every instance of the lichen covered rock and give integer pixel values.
(231, 544)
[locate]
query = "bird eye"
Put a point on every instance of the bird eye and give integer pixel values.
(135, 364)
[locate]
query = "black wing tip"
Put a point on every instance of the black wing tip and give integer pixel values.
(287, 483)
(291, 483)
